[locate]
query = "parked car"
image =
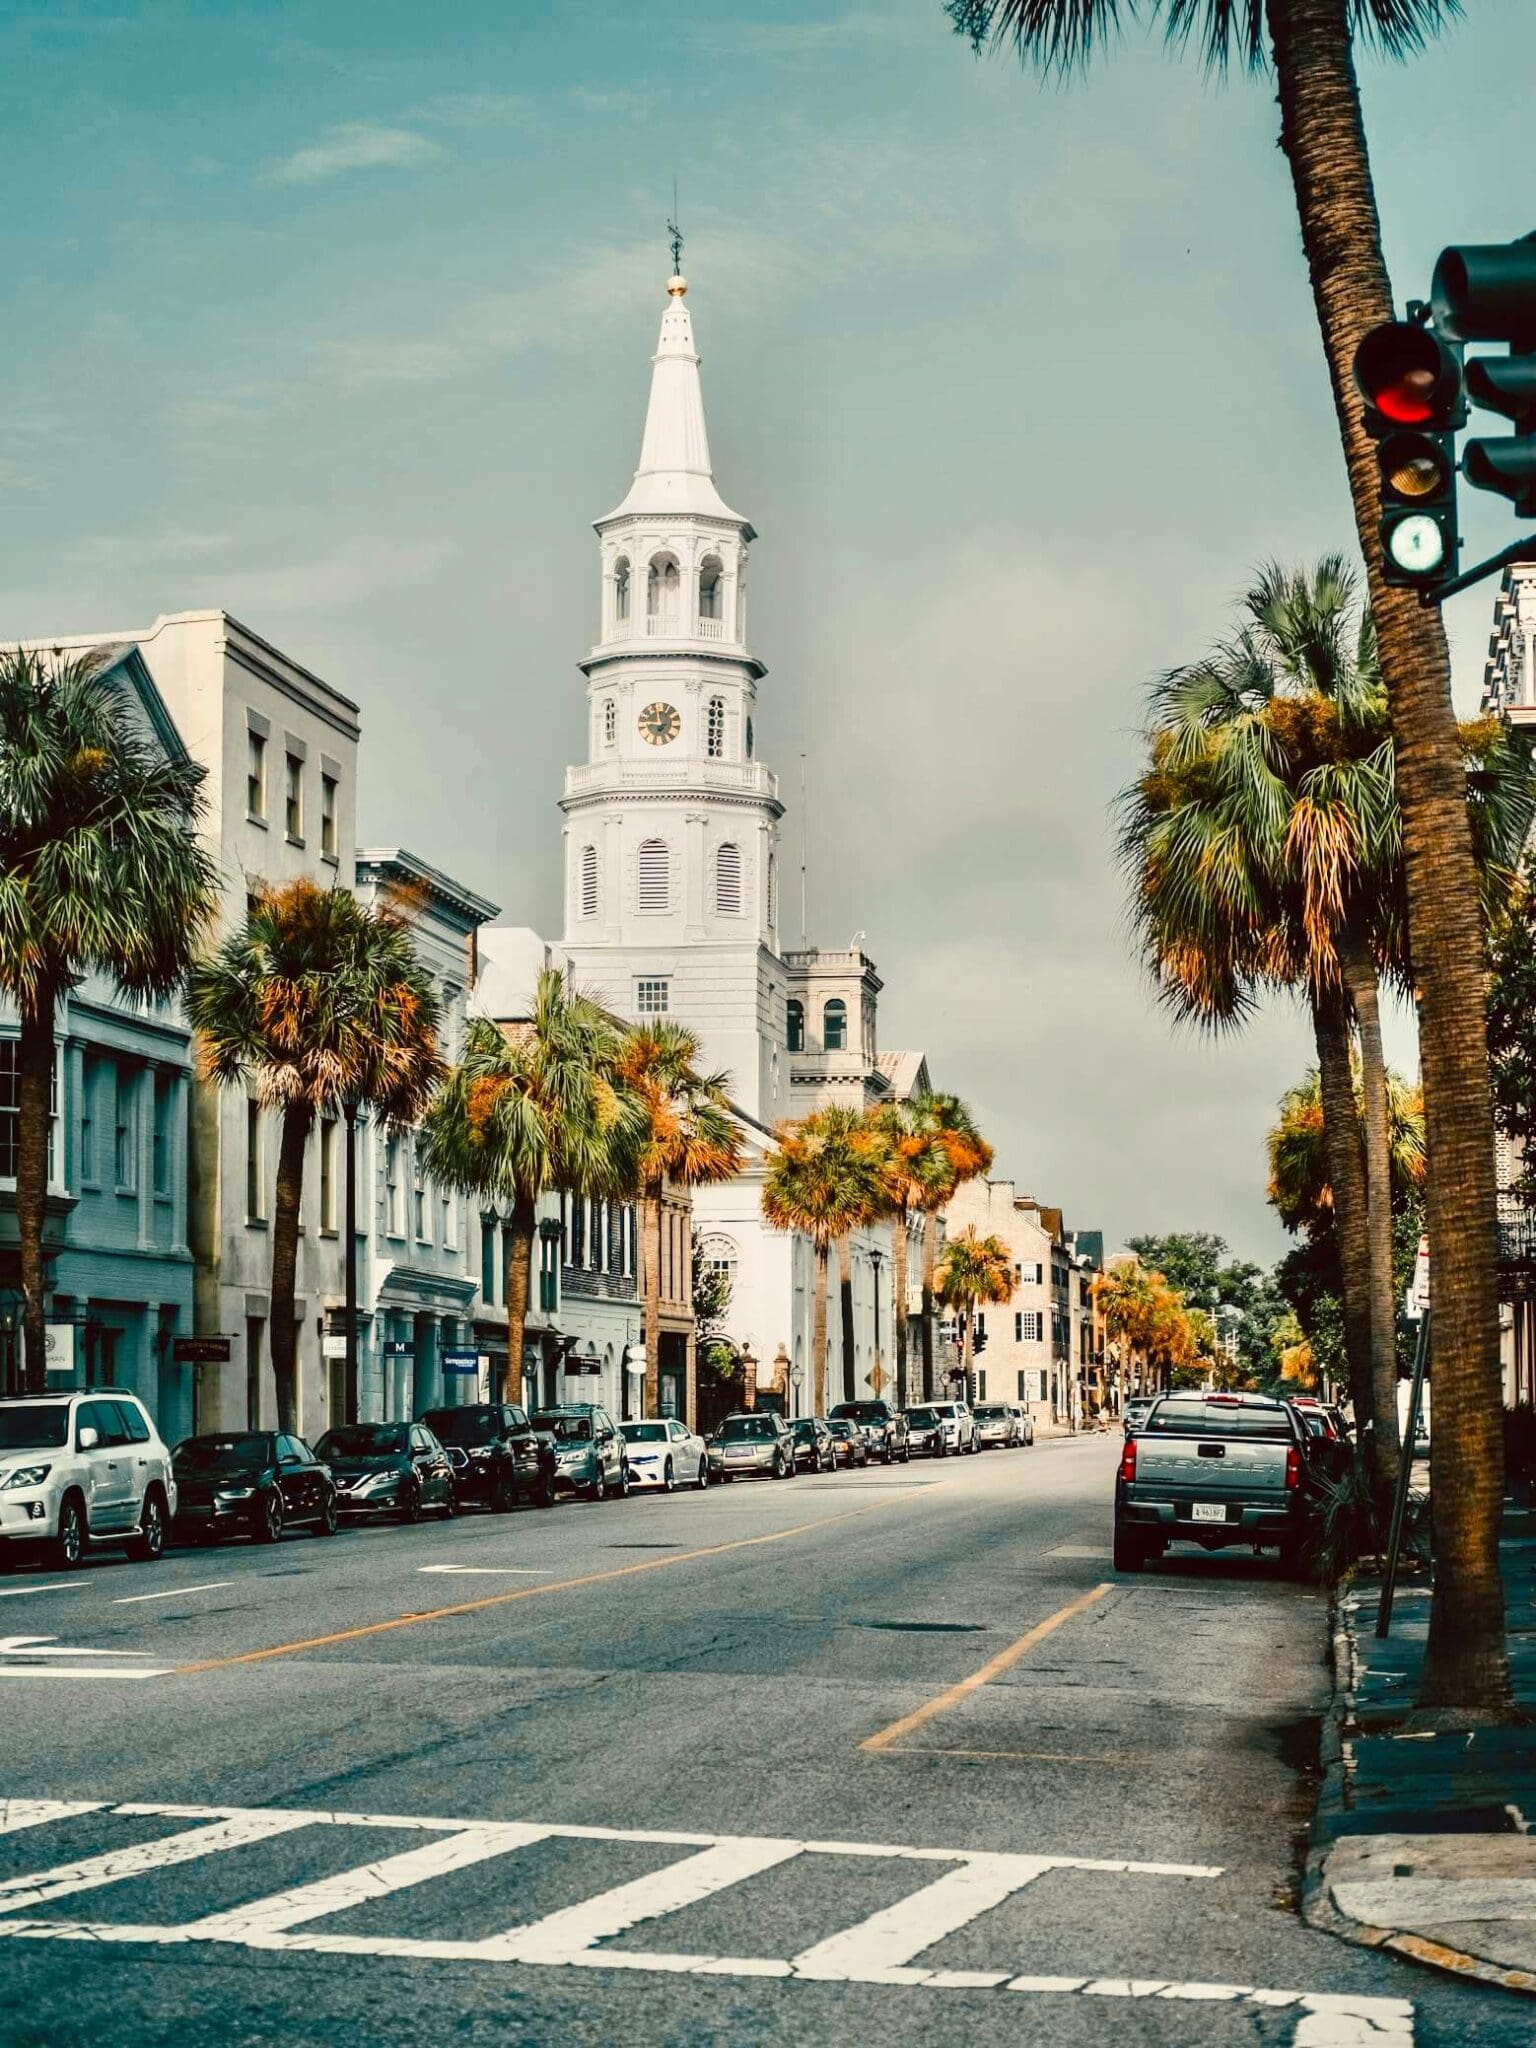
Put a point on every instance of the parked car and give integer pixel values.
(884, 1427)
(958, 1424)
(497, 1458)
(1026, 1421)
(997, 1427)
(251, 1482)
(925, 1433)
(848, 1443)
(591, 1458)
(388, 1468)
(79, 1469)
(755, 1443)
(814, 1449)
(1212, 1469)
(665, 1454)
(1136, 1411)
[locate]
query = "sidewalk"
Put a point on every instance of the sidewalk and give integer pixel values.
(1425, 1842)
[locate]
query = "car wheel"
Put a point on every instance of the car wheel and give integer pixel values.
(621, 1485)
(703, 1478)
(906, 1453)
(450, 1504)
(329, 1519)
(504, 1494)
(546, 1493)
(1129, 1551)
(68, 1546)
(269, 1518)
(147, 1544)
(669, 1479)
(593, 1490)
(410, 1502)
(888, 1456)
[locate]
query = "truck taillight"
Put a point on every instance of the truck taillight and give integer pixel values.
(1128, 1459)
(1292, 1467)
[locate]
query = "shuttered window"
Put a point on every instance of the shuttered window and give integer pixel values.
(589, 881)
(654, 870)
(728, 881)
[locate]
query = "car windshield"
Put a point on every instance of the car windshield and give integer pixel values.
(862, 1411)
(463, 1427)
(739, 1429)
(1218, 1418)
(37, 1426)
(363, 1440)
(565, 1429)
(840, 1427)
(247, 1452)
(805, 1427)
(922, 1418)
(644, 1432)
(991, 1412)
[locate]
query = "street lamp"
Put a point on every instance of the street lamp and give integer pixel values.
(349, 1108)
(876, 1256)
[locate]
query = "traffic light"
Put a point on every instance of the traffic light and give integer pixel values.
(1487, 292)
(1411, 384)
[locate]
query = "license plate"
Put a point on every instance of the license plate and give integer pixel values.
(1208, 1511)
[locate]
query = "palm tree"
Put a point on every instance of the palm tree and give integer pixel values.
(973, 1270)
(533, 1107)
(316, 1001)
(101, 872)
(957, 1152)
(821, 1182)
(907, 1173)
(1310, 46)
(1300, 1191)
(687, 1138)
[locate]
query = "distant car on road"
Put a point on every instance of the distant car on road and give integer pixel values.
(997, 1427)
(665, 1454)
(251, 1482)
(884, 1427)
(591, 1458)
(388, 1468)
(958, 1424)
(78, 1469)
(757, 1443)
(848, 1441)
(925, 1433)
(497, 1459)
(1136, 1411)
(1026, 1421)
(814, 1450)
(1213, 1469)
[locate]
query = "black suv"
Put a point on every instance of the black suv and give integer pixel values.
(497, 1458)
(883, 1428)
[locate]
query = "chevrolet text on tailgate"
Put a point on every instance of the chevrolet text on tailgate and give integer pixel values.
(1212, 1469)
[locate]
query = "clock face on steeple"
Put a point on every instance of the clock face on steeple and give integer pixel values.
(659, 724)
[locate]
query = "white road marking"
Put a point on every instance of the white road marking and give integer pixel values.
(55, 1586)
(485, 1571)
(172, 1593)
(117, 1675)
(1079, 1550)
(878, 1950)
(36, 1646)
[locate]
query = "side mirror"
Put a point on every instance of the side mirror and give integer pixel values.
(89, 1438)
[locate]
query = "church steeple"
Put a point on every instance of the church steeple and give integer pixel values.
(675, 474)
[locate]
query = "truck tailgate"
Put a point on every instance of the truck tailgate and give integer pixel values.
(1210, 1468)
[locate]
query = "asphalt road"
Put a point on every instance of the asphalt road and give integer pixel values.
(880, 1753)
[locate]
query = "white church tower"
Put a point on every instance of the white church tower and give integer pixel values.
(671, 833)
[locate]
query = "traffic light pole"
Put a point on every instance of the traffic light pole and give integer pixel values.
(1517, 551)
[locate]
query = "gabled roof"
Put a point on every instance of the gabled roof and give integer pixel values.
(907, 1073)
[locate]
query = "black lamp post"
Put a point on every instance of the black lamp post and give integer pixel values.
(351, 1258)
(875, 1258)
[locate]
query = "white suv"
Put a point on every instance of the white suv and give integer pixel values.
(77, 1469)
(958, 1424)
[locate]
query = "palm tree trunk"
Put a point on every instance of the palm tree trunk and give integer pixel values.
(522, 1227)
(1360, 975)
(899, 1300)
(287, 1202)
(1346, 1176)
(845, 1302)
(930, 1264)
(819, 1333)
(650, 1212)
(34, 1104)
(1466, 1663)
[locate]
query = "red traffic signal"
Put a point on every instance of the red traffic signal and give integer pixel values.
(1408, 376)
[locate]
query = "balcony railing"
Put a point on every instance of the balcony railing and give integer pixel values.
(662, 626)
(711, 629)
(737, 776)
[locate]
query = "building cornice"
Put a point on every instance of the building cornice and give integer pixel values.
(396, 864)
(679, 650)
(743, 800)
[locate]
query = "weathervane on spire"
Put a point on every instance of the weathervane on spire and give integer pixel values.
(677, 284)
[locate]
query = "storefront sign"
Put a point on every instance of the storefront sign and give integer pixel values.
(461, 1361)
(60, 1352)
(334, 1344)
(200, 1350)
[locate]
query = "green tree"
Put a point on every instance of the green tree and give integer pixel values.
(973, 1270)
(821, 1182)
(533, 1107)
(956, 1152)
(1309, 46)
(1511, 1040)
(101, 871)
(686, 1137)
(911, 1170)
(317, 1000)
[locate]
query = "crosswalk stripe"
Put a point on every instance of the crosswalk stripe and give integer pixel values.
(19, 1894)
(16, 1814)
(879, 1949)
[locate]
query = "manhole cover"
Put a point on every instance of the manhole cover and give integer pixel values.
(927, 1628)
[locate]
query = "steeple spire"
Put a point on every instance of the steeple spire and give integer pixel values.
(674, 473)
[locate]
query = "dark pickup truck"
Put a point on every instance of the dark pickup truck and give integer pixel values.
(498, 1458)
(1213, 1469)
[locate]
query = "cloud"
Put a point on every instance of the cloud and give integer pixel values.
(352, 146)
(473, 109)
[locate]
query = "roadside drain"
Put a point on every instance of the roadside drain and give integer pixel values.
(927, 1628)
(643, 1546)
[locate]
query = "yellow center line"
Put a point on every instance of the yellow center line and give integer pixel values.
(621, 1571)
(920, 1716)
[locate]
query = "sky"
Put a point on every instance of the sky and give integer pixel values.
(338, 315)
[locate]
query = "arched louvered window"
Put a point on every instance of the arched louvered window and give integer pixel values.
(728, 881)
(834, 1025)
(654, 876)
(714, 729)
(589, 881)
(610, 722)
